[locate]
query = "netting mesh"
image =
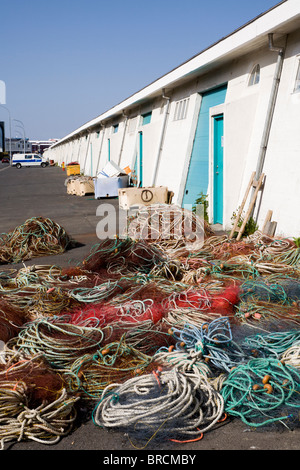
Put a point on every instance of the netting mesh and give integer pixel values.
(163, 336)
(38, 236)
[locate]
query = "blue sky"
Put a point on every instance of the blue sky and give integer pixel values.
(65, 62)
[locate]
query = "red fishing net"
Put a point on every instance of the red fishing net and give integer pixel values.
(105, 313)
(43, 385)
(222, 302)
(11, 320)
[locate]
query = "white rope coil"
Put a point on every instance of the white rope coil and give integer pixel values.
(185, 361)
(45, 424)
(176, 402)
(193, 316)
(292, 356)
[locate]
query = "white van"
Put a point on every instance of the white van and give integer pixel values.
(29, 159)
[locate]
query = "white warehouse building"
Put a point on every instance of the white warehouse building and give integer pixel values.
(208, 124)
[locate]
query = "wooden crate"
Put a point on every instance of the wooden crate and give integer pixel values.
(129, 197)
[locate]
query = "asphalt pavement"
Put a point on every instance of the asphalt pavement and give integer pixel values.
(34, 192)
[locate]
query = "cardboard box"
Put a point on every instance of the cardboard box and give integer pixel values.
(129, 197)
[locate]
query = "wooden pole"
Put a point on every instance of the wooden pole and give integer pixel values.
(259, 183)
(267, 219)
(242, 205)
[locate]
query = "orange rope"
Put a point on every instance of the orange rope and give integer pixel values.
(189, 440)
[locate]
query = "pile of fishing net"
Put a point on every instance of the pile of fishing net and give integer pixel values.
(285, 291)
(207, 349)
(151, 332)
(138, 303)
(260, 375)
(34, 402)
(134, 311)
(268, 315)
(38, 236)
(117, 361)
(123, 254)
(60, 343)
(12, 319)
(171, 227)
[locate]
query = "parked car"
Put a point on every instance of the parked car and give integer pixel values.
(29, 159)
(5, 160)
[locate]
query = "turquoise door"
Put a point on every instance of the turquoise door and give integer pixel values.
(138, 167)
(218, 170)
(141, 159)
(198, 173)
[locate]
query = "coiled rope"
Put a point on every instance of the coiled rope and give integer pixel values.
(116, 361)
(171, 402)
(262, 392)
(38, 236)
(292, 356)
(47, 423)
(184, 361)
(213, 343)
(271, 344)
(60, 343)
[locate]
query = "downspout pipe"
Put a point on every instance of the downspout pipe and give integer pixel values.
(168, 98)
(270, 112)
(272, 102)
(123, 137)
(101, 144)
(79, 147)
(87, 149)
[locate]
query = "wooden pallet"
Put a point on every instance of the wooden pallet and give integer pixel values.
(257, 185)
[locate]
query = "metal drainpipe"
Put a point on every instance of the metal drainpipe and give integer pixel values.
(123, 137)
(270, 112)
(161, 137)
(79, 147)
(87, 149)
(102, 139)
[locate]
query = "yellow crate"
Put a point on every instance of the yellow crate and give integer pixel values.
(73, 170)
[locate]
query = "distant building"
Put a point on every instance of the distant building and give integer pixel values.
(208, 124)
(17, 145)
(38, 146)
(31, 146)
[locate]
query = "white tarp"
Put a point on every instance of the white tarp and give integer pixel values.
(110, 170)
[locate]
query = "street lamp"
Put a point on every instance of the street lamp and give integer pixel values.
(23, 137)
(22, 126)
(10, 159)
(20, 136)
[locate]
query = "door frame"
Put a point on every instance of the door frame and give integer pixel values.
(139, 159)
(214, 113)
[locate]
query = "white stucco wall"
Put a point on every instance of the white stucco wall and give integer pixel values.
(244, 117)
(282, 162)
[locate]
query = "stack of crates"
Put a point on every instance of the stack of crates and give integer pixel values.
(80, 185)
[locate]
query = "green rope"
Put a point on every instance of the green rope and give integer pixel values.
(272, 344)
(262, 392)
